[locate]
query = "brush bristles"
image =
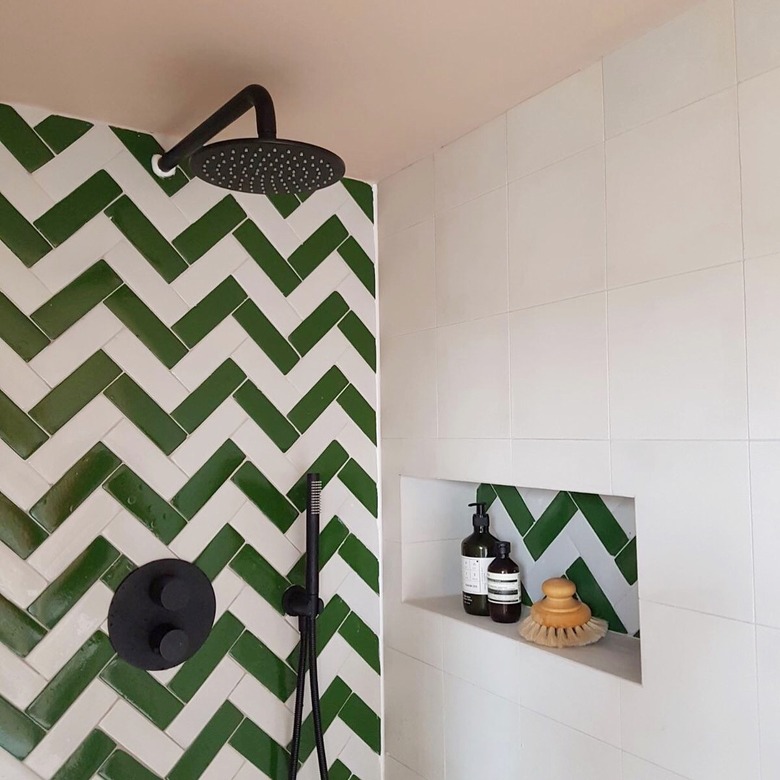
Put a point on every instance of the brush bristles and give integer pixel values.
(587, 634)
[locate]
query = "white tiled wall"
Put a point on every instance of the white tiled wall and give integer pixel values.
(585, 294)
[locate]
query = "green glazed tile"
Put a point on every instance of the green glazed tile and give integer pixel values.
(550, 524)
(360, 485)
(88, 757)
(17, 430)
(338, 771)
(516, 508)
(219, 551)
(21, 140)
(17, 530)
(362, 560)
(117, 571)
(122, 766)
(74, 487)
(363, 721)
(589, 591)
(318, 323)
(141, 501)
(193, 673)
(317, 400)
(266, 336)
(60, 596)
(18, 734)
(626, 562)
(266, 754)
(360, 411)
(204, 400)
(264, 666)
(18, 631)
(142, 321)
(360, 337)
(602, 521)
(333, 457)
(362, 640)
(63, 219)
(208, 313)
(328, 623)
(70, 682)
(76, 299)
(208, 479)
(267, 416)
(143, 147)
(284, 204)
(262, 493)
(324, 240)
(75, 392)
(264, 253)
(331, 539)
(21, 237)
(359, 263)
(486, 494)
(331, 702)
(207, 744)
(363, 195)
(144, 236)
(143, 411)
(60, 132)
(143, 692)
(257, 572)
(22, 335)
(214, 225)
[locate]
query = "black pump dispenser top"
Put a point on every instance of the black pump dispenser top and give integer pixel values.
(480, 518)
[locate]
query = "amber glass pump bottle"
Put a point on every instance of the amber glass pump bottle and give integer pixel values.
(477, 551)
(503, 576)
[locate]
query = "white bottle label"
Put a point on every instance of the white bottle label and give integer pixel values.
(475, 574)
(503, 588)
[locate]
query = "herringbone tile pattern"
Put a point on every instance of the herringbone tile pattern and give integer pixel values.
(173, 359)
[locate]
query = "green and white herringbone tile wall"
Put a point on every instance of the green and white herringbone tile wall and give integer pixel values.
(173, 359)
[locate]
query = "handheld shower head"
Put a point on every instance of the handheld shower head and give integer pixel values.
(264, 165)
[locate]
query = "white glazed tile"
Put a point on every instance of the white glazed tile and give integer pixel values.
(431, 569)
(264, 536)
(227, 586)
(20, 284)
(557, 123)
(20, 383)
(196, 198)
(406, 197)
(471, 166)
(19, 683)
(677, 357)
(555, 465)
(358, 225)
(18, 480)
(360, 301)
(316, 209)
(362, 680)
(558, 358)
(471, 259)
(674, 65)
(19, 581)
(263, 708)
(473, 403)
(395, 770)
(259, 449)
(638, 769)
(768, 651)
(359, 757)
(11, 769)
(758, 36)
(557, 231)
(225, 765)
(21, 190)
(209, 353)
(264, 621)
(135, 540)
(260, 289)
(432, 508)
(479, 460)
(407, 280)
(210, 270)
(673, 194)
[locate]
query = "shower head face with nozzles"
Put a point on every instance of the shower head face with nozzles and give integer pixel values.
(267, 166)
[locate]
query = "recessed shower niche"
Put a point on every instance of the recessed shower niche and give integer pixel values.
(588, 538)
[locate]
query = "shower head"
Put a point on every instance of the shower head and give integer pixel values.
(265, 165)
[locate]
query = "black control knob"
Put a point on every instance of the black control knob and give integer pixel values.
(170, 592)
(171, 643)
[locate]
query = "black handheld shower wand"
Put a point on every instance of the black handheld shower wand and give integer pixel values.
(305, 604)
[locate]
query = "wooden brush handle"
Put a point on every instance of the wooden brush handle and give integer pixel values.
(559, 608)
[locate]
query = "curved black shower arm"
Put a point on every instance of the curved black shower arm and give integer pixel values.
(253, 96)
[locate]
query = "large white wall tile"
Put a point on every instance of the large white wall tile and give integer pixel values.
(472, 165)
(557, 123)
(471, 260)
(696, 710)
(558, 358)
(693, 522)
(431, 569)
(433, 509)
(407, 280)
(768, 652)
(638, 769)
(406, 197)
(473, 379)
(759, 115)
(478, 460)
(673, 193)
(677, 357)
(758, 36)
(686, 59)
(408, 385)
(557, 231)
(394, 770)
(552, 751)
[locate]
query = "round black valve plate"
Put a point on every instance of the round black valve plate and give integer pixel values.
(161, 614)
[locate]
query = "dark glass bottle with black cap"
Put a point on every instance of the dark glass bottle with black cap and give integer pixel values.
(477, 551)
(503, 577)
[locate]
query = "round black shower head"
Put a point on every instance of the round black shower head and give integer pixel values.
(269, 166)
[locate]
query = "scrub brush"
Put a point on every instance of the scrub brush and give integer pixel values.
(560, 620)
